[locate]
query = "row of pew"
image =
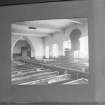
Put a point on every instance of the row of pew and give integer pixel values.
(32, 71)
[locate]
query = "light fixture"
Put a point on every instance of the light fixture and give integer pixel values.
(32, 27)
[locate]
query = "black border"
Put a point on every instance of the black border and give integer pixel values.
(88, 103)
(22, 2)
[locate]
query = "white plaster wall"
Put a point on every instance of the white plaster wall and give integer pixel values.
(38, 46)
(61, 36)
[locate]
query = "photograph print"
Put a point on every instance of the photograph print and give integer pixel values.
(50, 52)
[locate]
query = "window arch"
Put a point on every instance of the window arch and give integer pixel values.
(55, 50)
(66, 45)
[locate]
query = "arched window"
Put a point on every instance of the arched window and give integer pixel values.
(66, 45)
(55, 50)
(83, 53)
(47, 51)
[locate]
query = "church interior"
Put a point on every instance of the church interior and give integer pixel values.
(50, 52)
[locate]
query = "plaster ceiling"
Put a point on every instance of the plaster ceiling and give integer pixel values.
(43, 28)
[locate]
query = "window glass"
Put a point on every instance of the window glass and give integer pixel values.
(55, 50)
(66, 44)
(47, 51)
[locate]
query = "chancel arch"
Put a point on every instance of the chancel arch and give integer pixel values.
(21, 44)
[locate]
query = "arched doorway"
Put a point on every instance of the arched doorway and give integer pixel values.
(75, 44)
(74, 37)
(22, 48)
